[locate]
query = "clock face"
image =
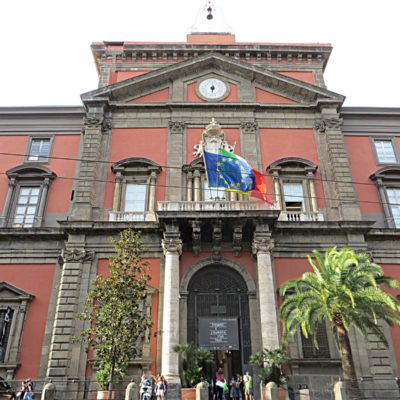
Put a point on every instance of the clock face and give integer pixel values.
(213, 88)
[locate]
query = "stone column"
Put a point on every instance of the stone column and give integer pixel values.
(197, 189)
(313, 196)
(277, 190)
(42, 203)
(10, 192)
(189, 182)
(152, 191)
(117, 191)
(262, 248)
(172, 246)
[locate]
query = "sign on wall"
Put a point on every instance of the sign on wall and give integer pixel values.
(218, 333)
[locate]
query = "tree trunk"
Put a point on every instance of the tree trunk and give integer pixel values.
(349, 372)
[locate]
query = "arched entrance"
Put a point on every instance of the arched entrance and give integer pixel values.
(219, 293)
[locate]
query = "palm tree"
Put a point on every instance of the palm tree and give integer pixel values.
(344, 289)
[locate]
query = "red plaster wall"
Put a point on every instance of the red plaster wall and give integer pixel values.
(154, 272)
(192, 95)
(307, 77)
(193, 137)
(65, 146)
(149, 143)
(245, 260)
(38, 280)
(119, 76)
(161, 96)
(363, 164)
(262, 96)
(279, 143)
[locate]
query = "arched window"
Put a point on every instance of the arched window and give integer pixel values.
(388, 183)
(135, 189)
(293, 180)
(28, 188)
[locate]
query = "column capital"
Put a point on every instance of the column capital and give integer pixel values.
(262, 245)
(172, 246)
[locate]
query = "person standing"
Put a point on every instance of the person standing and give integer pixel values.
(28, 390)
(239, 380)
(248, 386)
(219, 384)
(234, 391)
(160, 388)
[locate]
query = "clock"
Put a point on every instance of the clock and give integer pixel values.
(213, 89)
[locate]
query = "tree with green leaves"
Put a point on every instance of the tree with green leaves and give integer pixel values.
(116, 312)
(271, 363)
(193, 362)
(344, 289)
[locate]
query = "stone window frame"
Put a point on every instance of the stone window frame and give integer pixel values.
(29, 147)
(194, 177)
(394, 146)
(387, 178)
(294, 170)
(28, 175)
(18, 300)
(137, 170)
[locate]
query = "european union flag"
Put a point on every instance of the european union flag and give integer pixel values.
(230, 171)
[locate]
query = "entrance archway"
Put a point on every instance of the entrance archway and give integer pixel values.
(220, 292)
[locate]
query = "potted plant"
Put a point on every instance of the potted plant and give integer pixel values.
(271, 364)
(193, 360)
(115, 312)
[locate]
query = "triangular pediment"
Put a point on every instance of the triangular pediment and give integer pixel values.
(10, 292)
(275, 84)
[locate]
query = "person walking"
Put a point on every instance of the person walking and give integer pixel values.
(248, 386)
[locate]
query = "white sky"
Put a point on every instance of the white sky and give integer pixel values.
(46, 57)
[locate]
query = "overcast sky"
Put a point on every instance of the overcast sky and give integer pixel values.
(46, 57)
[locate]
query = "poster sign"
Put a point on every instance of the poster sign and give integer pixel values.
(218, 333)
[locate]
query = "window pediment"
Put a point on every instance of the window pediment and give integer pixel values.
(389, 173)
(135, 165)
(9, 292)
(292, 165)
(30, 171)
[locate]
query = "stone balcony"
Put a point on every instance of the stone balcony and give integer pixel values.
(298, 216)
(215, 205)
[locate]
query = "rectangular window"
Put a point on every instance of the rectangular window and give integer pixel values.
(293, 196)
(39, 149)
(135, 197)
(309, 350)
(385, 151)
(394, 202)
(25, 210)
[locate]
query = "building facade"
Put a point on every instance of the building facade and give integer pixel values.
(71, 177)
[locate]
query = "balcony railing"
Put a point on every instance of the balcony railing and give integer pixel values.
(221, 205)
(298, 216)
(122, 216)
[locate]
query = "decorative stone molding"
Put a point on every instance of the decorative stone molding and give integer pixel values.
(196, 238)
(262, 245)
(93, 120)
(217, 239)
(322, 125)
(237, 241)
(172, 246)
(77, 256)
(249, 126)
(107, 124)
(177, 127)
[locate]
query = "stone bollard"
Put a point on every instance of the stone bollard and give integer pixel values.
(48, 391)
(132, 392)
(272, 391)
(339, 392)
(202, 391)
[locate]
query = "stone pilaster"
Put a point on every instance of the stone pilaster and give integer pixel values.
(337, 167)
(172, 246)
(250, 142)
(96, 123)
(175, 157)
(65, 357)
(262, 248)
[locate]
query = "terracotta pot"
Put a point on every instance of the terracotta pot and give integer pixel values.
(263, 392)
(105, 395)
(282, 393)
(188, 394)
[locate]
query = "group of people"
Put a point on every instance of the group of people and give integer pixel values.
(239, 387)
(151, 387)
